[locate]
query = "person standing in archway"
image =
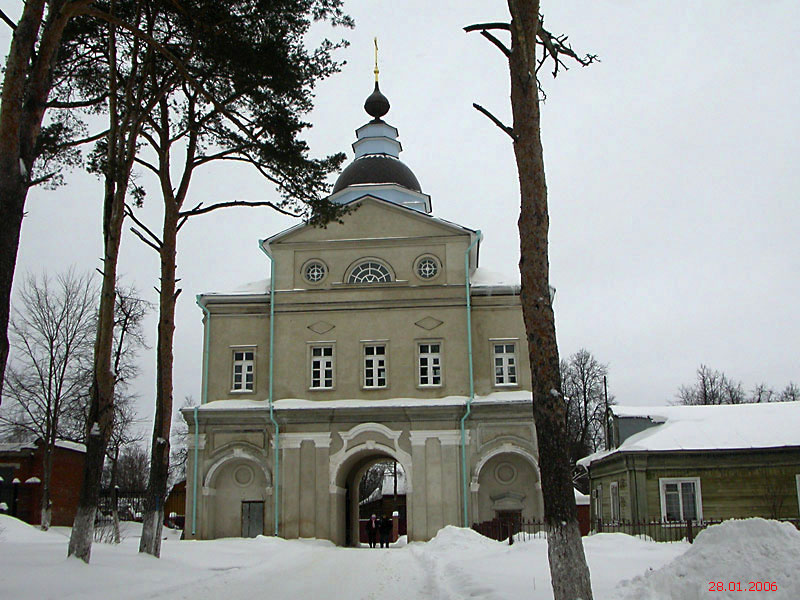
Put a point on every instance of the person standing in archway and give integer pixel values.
(385, 530)
(373, 525)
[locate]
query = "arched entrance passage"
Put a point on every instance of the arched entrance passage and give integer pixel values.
(346, 478)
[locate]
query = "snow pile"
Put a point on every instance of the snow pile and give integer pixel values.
(14, 531)
(734, 551)
(456, 539)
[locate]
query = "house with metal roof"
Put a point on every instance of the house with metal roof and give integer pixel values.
(681, 463)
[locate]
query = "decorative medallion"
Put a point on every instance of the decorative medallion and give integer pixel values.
(243, 475)
(505, 473)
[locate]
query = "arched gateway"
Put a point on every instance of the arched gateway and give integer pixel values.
(375, 353)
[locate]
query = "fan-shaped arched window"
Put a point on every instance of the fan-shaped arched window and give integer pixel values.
(369, 271)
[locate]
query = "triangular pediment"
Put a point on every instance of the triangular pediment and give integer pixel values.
(372, 218)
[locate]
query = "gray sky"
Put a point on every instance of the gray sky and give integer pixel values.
(671, 169)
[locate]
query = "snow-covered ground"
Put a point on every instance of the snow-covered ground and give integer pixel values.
(456, 564)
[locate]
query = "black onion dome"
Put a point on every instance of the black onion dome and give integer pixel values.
(376, 104)
(377, 169)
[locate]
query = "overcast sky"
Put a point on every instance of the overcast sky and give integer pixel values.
(672, 172)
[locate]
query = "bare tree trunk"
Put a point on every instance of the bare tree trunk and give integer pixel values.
(47, 469)
(568, 569)
(159, 462)
(115, 496)
(101, 407)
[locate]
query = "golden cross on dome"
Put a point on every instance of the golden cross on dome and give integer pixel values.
(376, 60)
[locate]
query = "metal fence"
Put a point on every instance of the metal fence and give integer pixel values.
(130, 504)
(658, 531)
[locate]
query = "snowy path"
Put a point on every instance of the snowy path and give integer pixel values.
(317, 570)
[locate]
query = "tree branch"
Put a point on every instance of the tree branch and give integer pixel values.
(146, 164)
(78, 104)
(503, 48)
(484, 26)
(86, 140)
(129, 212)
(138, 234)
(496, 121)
(200, 211)
(8, 21)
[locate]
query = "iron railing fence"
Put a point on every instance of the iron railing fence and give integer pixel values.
(658, 531)
(130, 504)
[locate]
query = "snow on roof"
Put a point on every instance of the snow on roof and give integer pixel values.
(302, 404)
(20, 446)
(387, 489)
(253, 288)
(581, 499)
(483, 277)
(16, 446)
(71, 445)
(388, 482)
(725, 427)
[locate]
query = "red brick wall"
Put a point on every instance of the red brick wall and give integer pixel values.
(65, 485)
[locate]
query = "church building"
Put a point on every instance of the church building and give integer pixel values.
(378, 338)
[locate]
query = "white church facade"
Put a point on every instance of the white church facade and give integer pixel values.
(376, 338)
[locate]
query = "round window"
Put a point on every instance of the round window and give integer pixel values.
(427, 267)
(314, 272)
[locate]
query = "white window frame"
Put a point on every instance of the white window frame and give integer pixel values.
(306, 265)
(418, 262)
(312, 359)
(698, 497)
(365, 369)
(504, 357)
(797, 480)
(598, 502)
(430, 355)
(613, 496)
(368, 260)
(241, 387)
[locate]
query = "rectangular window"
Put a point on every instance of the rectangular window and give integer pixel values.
(429, 364)
(613, 492)
(680, 499)
(597, 496)
(797, 480)
(504, 354)
(244, 361)
(374, 365)
(322, 367)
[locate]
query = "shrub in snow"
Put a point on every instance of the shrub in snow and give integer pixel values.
(736, 551)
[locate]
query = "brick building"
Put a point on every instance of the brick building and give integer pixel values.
(22, 473)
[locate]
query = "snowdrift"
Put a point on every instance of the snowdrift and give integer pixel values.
(12, 530)
(452, 538)
(734, 551)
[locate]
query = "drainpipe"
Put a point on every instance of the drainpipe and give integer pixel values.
(276, 467)
(203, 400)
(477, 239)
(194, 474)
